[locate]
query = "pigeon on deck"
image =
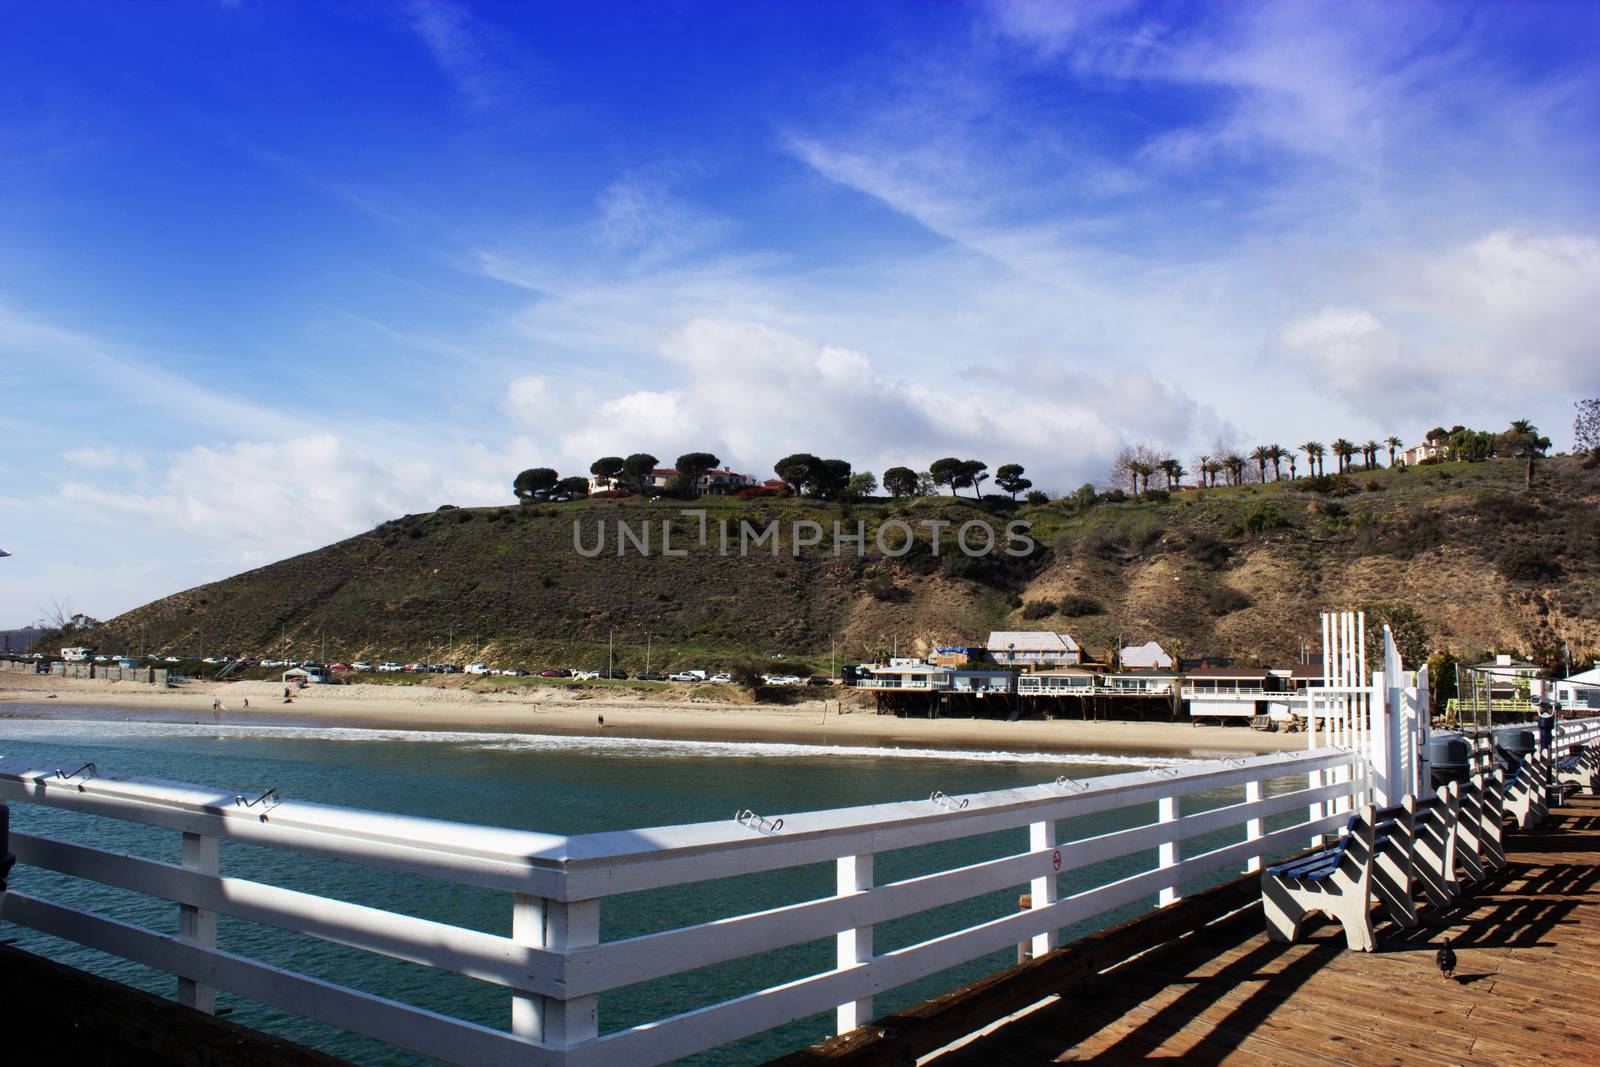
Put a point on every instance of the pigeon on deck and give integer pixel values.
(1446, 959)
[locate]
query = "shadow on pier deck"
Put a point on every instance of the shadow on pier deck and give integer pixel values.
(54, 1013)
(1528, 943)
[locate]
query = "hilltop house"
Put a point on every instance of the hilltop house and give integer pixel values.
(1033, 649)
(1146, 656)
(1416, 454)
(718, 482)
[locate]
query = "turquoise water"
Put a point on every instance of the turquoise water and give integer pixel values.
(551, 784)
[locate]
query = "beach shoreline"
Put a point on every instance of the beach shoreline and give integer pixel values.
(559, 712)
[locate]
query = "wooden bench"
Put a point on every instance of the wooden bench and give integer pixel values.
(1394, 860)
(1581, 768)
(1437, 830)
(1336, 882)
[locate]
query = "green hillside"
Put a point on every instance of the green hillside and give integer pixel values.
(1232, 571)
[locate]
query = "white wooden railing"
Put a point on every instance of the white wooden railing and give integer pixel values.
(554, 966)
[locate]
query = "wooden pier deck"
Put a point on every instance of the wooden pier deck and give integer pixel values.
(1528, 943)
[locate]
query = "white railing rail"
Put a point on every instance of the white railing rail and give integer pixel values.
(554, 965)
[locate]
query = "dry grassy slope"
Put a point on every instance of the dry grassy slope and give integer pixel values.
(507, 583)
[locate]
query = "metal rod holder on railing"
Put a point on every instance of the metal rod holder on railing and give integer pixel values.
(1165, 772)
(1070, 785)
(88, 770)
(760, 824)
(271, 795)
(939, 797)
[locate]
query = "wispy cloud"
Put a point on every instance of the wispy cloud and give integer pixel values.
(483, 65)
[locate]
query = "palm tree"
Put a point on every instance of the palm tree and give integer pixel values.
(1523, 440)
(1172, 469)
(1314, 451)
(1342, 451)
(1393, 443)
(1279, 454)
(1137, 469)
(1235, 464)
(1371, 449)
(1203, 465)
(1262, 455)
(1290, 454)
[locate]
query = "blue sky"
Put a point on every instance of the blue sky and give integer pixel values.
(271, 273)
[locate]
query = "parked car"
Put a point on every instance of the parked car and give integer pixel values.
(720, 679)
(682, 676)
(555, 672)
(389, 668)
(652, 676)
(585, 676)
(339, 666)
(477, 668)
(612, 673)
(817, 679)
(514, 672)
(361, 665)
(169, 659)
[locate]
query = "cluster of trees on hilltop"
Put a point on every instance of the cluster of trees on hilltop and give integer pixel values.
(803, 474)
(1138, 464)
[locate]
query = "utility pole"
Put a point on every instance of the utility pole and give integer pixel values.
(833, 658)
(611, 653)
(647, 653)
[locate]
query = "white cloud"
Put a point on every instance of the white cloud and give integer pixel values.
(104, 459)
(752, 393)
(643, 219)
(1479, 329)
(468, 51)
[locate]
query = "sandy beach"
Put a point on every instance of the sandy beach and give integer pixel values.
(572, 711)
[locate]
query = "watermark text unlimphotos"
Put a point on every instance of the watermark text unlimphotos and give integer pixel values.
(893, 538)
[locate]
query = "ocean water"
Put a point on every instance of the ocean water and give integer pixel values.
(563, 785)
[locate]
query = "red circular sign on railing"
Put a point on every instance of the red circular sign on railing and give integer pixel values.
(1055, 860)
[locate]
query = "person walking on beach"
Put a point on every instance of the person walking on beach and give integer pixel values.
(600, 721)
(247, 702)
(286, 698)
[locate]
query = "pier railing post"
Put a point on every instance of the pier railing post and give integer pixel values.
(555, 924)
(1042, 890)
(1167, 812)
(854, 946)
(198, 926)
(1252, 827)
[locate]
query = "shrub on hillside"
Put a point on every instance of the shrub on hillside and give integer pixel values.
(1374, 486)
(1207, 550)
(1156, 496)
(1079, 605)
(1331, 485)
(1404, 538)
(1527, 563)
(1038, 609)
(1258, 520)
(882, 587)
(1125, 538)
(1224, 600)
(754, 492)
(1037, 496)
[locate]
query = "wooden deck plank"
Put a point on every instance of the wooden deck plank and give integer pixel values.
(1527, 941)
